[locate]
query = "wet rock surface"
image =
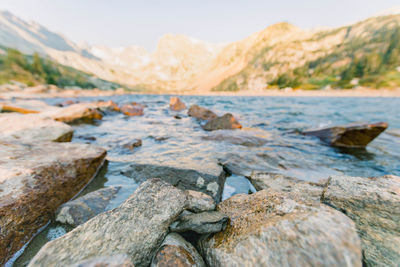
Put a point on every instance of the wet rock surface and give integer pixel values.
(226, 121)
(201, 113)
(132, 110)
(136, 228)
(206, 222)
(134, 144)
(82, 209)
(106, 261)
(349, 135)
(374, 205)
(176, 251)
(198, 201)
(32, 186)
(245, 137)
(176, 104)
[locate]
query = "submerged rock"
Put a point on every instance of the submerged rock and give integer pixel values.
(206, 222)
(106, 261)
(135, 143)
(33, 128)
(349, 135)
(132, 110)
(210, 182)
(82, 209)
(226, 121)
(201, 113)
(198, 201)
(35, 180)
(374, 205)
(176, 104)
(176, 251)
(246, 137)
(136, 228)
(275, 229)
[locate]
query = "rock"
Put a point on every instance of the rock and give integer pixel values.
(176, 104)
(281, 183)
(275, 229)
(224, 122)
(75, 113)
(198, 201)
(35, 180)
(105, 106)
(106, 261)
(210, 181)
(349, 135)
(132, 145)
(24, 106)
(136, 228)
(248, 137)
(206, 222)
(132, 110)
(201, 113)
(82, 209)
(33, 128)
(177, 117)
(176, 251)
(374, 205)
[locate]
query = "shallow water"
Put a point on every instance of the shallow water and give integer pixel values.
(179, 142)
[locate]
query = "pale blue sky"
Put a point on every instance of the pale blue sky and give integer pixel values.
(143, 22)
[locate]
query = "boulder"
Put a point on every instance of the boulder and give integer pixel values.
(176, 104)
(198, 201)
(226, 121)
(206, 222)
(132, 110)
(176, 251)
(349, 135)
(275, 229)
(82, 209)
(76, 113)
(201, 113)
(136, 228)
(106, 261)
(33, 128)
(105, 106)
(210, 181)
(35, 179)
(246, 137)
(374, 205)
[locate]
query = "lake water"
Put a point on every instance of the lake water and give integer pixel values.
(180, 142)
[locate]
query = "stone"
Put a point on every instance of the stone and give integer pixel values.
(82, 209)
(176, 251)
(106, 106)
(33, 128)
(275, 229)
(349, 135)
(198, 201)
(226, 121)
(132, 145)
(35, 179)
(106, 261)
(132, 110)
(176, 104)
(136, 228)
(206, 222)
(210, 181)
(201, 113)
(374, 205)
(23, 106)
(248, 137)
(75, 113)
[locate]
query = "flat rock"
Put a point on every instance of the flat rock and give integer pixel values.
(176, 251)
(132, 110)
(275, 229)
(206, 222)
(374, 205)
(176, 104)
(106, 261)
(349, 135)
(226, 121)
(75, 113)
(33, 128)
(201, 113)
(210, 181)
(198, 201)
(25, 106)
(136, 228)
(245, 137)
(82, 209)
(35, 179)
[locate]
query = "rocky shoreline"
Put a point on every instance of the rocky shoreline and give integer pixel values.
(176, 216)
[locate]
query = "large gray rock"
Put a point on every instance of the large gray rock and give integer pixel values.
(206, 222)
(35, 180)
(33, 128)
(82, 209)
(106, 261)
(176, 251)
(201, 113)
(198, 201)
(227, 121)
(276, 229)
(136, 228)
(374, 205)
(210, 182)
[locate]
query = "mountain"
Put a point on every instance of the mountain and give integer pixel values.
(366, 53)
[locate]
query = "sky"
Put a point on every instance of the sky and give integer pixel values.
(142, 22)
